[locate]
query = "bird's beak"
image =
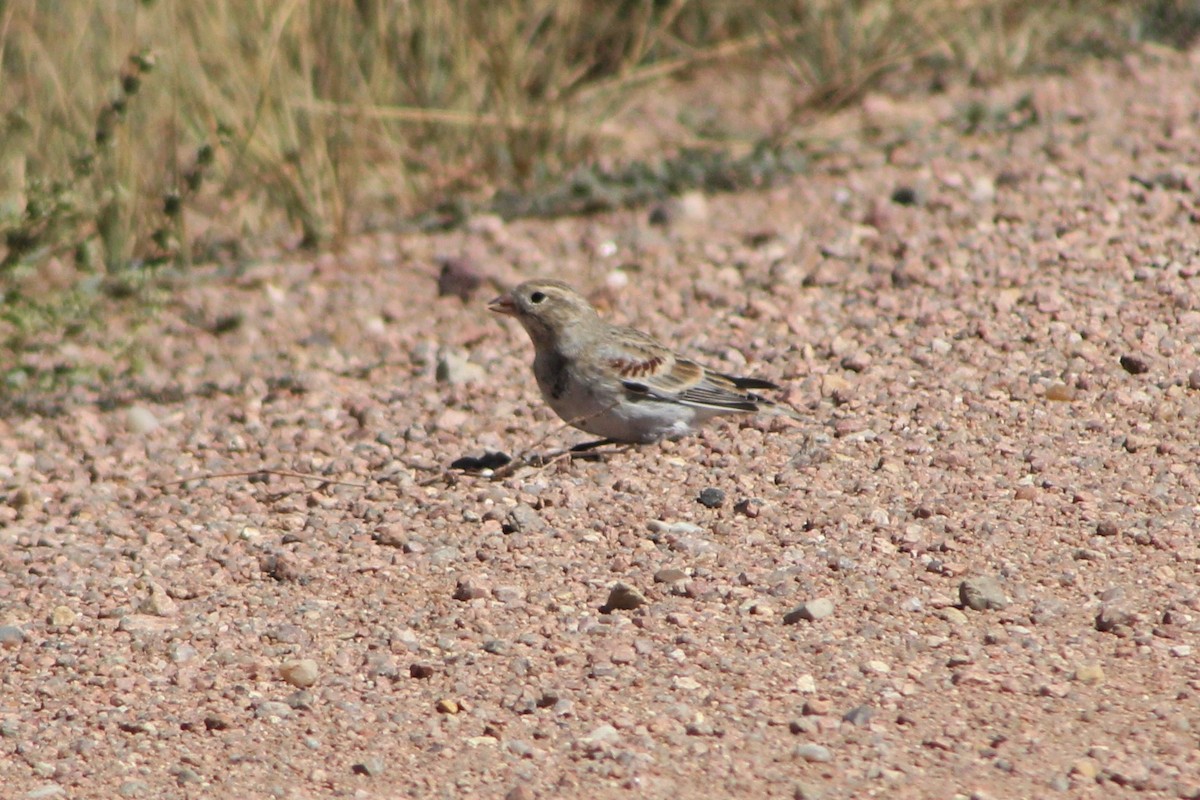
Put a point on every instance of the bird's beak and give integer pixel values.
(503, 305)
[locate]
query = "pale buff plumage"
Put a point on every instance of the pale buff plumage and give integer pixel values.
(617, 382)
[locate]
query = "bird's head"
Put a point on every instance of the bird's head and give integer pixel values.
(547, 308)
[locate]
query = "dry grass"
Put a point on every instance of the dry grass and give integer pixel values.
(143, 131)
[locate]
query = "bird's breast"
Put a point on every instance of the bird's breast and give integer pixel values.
(553, 374)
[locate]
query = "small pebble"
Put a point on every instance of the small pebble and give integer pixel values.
(469, 589)
(1113, 617)
(279, 566)
(816, 707)
(623, 597)
(693, 206)
(750, 507)
(603, 735)
(523, 519)
(676, 528)
(859, 716)
(272, 709)
(217, 722)
(371, 766)
(953, 615)
(711, 497)
(983, 189)
(187, 775)
(141, 420)
(520, 748)
(1134, 443)
(62, 617)
(1090, 673)
(856, 362)
(158, 603)
(701, 727)
(456, 369)
(809, 611)
(299, 672)
(144, 624)
(1135, 364)
(670, 575)
(301, 700)
(806, 791)
(11, 636)
(444, 556)
(982, 593)
(1025, 493)
(810, 751)
(182, 652)
(391, 536)
(1060, 783)
(803, 725)
(1060, 392)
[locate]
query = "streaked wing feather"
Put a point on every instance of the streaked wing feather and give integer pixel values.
(649, 369)
(719, 392)
(638, 356)
(689, 384)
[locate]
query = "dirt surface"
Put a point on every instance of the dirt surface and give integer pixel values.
(993, 337)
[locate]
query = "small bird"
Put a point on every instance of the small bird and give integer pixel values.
(617, 382)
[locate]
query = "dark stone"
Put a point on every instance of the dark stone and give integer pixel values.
(1134, 364)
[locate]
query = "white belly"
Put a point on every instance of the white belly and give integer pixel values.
(611, 413)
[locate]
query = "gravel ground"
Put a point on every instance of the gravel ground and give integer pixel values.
(971, 570)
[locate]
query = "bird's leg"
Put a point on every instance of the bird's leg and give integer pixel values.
(590, 451)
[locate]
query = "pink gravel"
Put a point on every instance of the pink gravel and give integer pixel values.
(1000, 380)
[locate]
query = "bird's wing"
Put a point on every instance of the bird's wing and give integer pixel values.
(649, 369)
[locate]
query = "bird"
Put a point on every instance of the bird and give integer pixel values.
(616, 382)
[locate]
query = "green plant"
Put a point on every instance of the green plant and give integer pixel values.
(326, 118)
(94, 198)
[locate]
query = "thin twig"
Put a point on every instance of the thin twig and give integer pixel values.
(249, 473)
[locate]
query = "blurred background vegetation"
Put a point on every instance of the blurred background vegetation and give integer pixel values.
(135, 133)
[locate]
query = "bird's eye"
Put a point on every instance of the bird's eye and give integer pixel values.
(537, 297)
